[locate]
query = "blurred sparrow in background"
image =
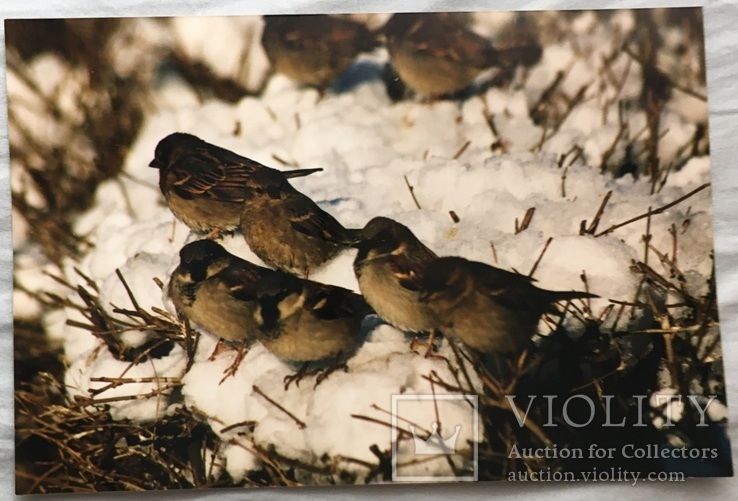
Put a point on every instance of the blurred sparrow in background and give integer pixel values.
(437, 55)
(286, 229)
(314, 49)
(304, 321)
(205, 185)
(491, 310)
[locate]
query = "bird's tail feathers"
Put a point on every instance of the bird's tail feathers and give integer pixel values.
(289, 174)
(556, 296)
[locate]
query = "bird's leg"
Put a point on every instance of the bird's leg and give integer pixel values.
(217, 350)
(214, 234)
(431, 338)
(322, 374)
(415, 343)
(330, 370)
(428, 345)
(296, 377)
(231, 370)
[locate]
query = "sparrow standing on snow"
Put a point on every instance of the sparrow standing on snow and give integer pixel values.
(217, 291)
(491, 310)
(205, 185)
(304, 321)
(436, 55)
(286, 229)
(313, 50)
(390, 267)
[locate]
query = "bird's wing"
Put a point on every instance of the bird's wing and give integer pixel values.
(409, 267)
(309, 219)
(212, 172)
(241, 281)
(324, 33)
(329, 302)
(511, 290)
(447, 39)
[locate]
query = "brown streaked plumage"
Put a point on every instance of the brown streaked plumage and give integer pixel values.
(489, 309)
(314, 49)
(305, 321)
(437, 55)
(205, 185)
(390, 267)
(287, 230)
(217, 290)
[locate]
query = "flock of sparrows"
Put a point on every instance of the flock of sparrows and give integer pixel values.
(213, 190)
(435, 54)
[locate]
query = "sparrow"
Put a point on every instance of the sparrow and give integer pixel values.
(304, 321)
(493, 311)
(286, 229)
(437, 55)
(390, 267)
(217, 290)
(313, 50)
(204, 185)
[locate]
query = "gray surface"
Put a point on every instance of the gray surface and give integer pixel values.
(721, 18)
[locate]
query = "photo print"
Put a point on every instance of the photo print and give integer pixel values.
(355, 249)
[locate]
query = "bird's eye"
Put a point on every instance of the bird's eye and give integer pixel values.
(385, 240)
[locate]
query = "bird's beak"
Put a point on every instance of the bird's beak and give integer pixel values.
(355, 239)
(155, 164)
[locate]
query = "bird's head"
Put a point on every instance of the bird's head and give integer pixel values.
(203, 259)
(171, 147)
(381, 237)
